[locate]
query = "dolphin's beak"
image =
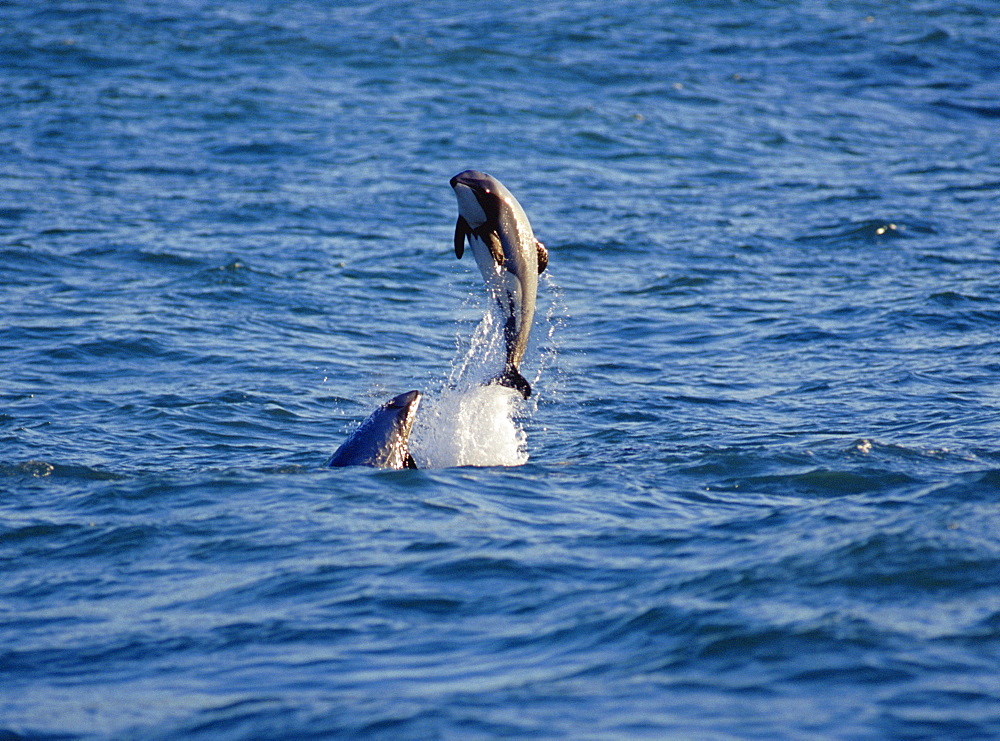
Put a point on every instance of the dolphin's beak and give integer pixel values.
(405, 400)
(474, 181)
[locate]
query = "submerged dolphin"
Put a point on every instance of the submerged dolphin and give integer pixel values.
(509, 257)
(382, 440)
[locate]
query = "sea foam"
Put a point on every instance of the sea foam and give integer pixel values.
(467, 423)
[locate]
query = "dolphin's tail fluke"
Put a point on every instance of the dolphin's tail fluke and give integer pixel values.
(512, 379)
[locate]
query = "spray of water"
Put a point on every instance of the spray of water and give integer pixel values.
(467, 423)
(471, 427)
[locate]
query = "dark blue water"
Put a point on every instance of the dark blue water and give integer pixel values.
(754, 494)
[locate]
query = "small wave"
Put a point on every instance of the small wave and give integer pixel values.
(14, 214)
(167, 259)
(259, 151)
(953, 299)
(869, 447)
(43, 469)
(983, 110)
(224, 273)
(124, 348)
(671, 285)
(826, 482)
(871, 231)
(78, 540)
(481, 568)
(911, 560)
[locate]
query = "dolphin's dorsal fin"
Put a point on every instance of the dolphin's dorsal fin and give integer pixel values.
(409, 462)
(543, 256)
(462, 230)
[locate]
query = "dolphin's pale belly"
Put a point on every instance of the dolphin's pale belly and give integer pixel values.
(503, 285)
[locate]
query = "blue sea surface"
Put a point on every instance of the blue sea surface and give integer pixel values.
(754, 495)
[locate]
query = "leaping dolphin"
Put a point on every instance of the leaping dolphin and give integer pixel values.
(509, 257)
(382, 440)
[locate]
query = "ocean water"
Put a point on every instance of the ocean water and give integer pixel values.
(755, 493)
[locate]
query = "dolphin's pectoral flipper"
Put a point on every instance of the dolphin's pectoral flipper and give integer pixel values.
(493, 244)
(543, 256)
(462, 230)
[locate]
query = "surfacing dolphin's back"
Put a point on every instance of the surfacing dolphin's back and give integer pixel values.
(382, 440)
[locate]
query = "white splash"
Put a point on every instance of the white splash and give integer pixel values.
(467, 423)
(470, 427)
